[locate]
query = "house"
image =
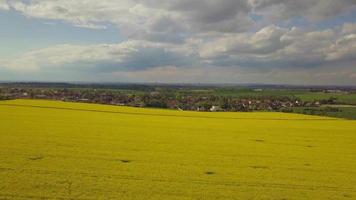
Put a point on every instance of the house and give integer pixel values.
(216, 109)
(201, 109)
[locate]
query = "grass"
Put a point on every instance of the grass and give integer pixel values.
(339, 111)
(304, 95)
(340, 98)
(250, 93)
(57, 150)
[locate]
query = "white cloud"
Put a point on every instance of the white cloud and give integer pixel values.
(345, 75)
(129, 55)
(180, 38)
(349, 28)
(274, 46)
(175, 20)
(343, 48)
(311, 9)
(4, 5)
(271, 46)
(268, 39)
(155, 20)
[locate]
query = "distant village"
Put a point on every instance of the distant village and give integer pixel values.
(208, 103)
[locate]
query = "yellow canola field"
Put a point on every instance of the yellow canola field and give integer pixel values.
(58, 150)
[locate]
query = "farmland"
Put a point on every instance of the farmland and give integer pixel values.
(323, 101)
(339, 111)
(58, 150)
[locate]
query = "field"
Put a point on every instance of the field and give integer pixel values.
(304, 95)
(57, 150)
(342, 111)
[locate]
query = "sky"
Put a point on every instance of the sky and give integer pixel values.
(304, 42)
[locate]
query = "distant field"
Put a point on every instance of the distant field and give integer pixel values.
(57, 150)
(340, 98)
(342, 111)
(304, 95)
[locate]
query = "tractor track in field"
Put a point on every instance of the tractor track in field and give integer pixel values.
(165, 115)
(255, 184)
(16, 196)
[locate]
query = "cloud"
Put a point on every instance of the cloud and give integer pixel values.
(349, 28)
(275, 46)
(272, 46)
(265, 41)
(195, 38)
(154, 20)
(326, 75)
(315, 10)
(343, 48)
(176, 20)
(125, 56)
(4, 5)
